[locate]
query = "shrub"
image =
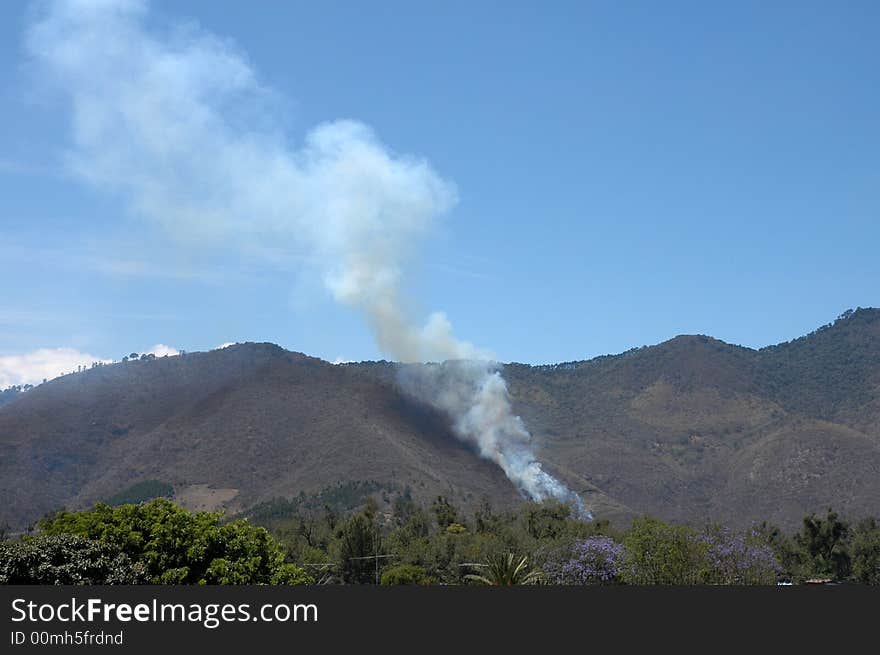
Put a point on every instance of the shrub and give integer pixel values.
(66, 560)
(405, 574)
(507, 569)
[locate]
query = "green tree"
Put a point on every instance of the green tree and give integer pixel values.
(823, 542)
(405, 574)
(486, 519)
(360, 548)
(404, 507)
(179, 547)
(866, 552)
(67, 560)
(662, 554)
(445, 512)
(547, 520)
(784, 547)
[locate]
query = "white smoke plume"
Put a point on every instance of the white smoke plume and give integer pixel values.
(174, 120)
(474, 394)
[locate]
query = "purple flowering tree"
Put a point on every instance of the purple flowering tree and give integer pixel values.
(594, 560)
(738, 558)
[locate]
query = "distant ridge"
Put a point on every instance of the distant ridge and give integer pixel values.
(691, 429)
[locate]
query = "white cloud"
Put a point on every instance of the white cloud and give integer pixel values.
(45, 363)
(161, 350)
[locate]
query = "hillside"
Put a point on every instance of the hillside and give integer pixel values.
(695, 429)
(9, 394)
(690, 429)
(237, 425)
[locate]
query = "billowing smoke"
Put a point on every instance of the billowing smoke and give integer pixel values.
(173, 120)
(474, 394)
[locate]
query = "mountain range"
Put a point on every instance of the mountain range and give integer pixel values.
(690, 430)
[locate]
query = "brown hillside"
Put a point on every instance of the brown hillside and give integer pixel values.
(689, 430)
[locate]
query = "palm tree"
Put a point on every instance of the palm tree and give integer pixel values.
(507, 569)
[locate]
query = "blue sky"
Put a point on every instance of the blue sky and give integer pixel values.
(625, 173)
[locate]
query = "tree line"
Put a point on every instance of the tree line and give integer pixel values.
(160, 543)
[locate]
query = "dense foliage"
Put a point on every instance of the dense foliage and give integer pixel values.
(438, 544)
(179, 547)
(410, 544)
(66, 560)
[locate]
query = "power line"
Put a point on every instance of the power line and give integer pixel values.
(373, 557)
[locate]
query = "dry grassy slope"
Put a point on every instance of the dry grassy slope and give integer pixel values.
(688, 430)
(694, 428)
(801, 466)
(252, 418)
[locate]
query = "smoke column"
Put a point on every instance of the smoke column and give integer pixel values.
(174, 121)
